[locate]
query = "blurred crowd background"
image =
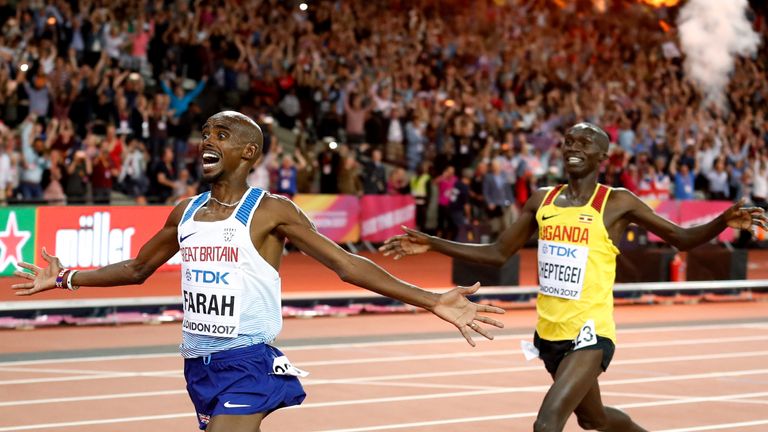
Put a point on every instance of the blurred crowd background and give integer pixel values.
(462, 104)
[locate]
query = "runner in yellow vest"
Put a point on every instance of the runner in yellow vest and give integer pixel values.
(578, 226)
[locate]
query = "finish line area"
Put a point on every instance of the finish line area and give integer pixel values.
(678, 367)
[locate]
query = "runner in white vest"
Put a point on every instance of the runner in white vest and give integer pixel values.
(231, 243)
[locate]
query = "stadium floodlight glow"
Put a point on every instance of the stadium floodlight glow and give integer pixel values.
(24, 67)
(303, 7)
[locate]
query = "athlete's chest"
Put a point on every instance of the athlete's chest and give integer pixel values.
(220, 242)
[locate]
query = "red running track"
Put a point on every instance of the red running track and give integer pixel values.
(677, 368)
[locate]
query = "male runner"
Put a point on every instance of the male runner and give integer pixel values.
(231, 242)
(578, 225)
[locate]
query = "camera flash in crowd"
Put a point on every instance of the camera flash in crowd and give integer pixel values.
(24, 67)
(332, 145)
(51, 21)
(303, 7)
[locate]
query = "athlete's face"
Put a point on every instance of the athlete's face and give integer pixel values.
(220, 149)
(582, 152)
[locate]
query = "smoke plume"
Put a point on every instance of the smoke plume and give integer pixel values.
(712, 34)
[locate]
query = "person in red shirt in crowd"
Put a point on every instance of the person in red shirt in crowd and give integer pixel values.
(104, 171)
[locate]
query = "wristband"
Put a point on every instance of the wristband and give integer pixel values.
(69, 281)
(60, 278)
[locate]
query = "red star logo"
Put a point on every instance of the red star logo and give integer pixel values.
(11, 242)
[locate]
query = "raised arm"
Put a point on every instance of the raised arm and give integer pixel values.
(636, 211)
(159, 249)
(167, 90)
(452, 306)
(495, 254)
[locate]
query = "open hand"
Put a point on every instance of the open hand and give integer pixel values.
(411, 243)
(454, 307)
(42, 279)
(745, 217)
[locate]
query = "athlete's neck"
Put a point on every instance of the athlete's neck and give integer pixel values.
(227, 192)
(580, 189)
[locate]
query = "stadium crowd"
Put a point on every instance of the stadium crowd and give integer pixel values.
(461, 106)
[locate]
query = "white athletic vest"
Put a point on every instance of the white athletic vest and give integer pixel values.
(230, 294)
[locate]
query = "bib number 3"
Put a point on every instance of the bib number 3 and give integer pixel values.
(282, 366)
(587, 336)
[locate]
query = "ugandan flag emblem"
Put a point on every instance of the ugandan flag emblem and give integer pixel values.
(585, 218)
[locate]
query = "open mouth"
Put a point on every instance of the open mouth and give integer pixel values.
(210, 160)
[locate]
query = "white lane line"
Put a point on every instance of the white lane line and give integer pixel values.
(533, 414)
(673, 397)
(462, 355)
(62, 371)
(641, 395)
(484, 371)
(435, 396)
(472, 391)
(47, 426)
(90, 359)
(463, 372)
(435, 423)
(544, 388)
(719, 426)
(157, 374)
(396, 342)
(92, 398)
(447, 356)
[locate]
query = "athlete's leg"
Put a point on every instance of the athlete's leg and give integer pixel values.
(574, 378)
(593, 415)
(235, 423)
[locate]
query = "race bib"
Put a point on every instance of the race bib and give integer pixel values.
(282, 366)
(529, 350)
(587, 336)
(285, 184)
(561, 269)
(211, 301)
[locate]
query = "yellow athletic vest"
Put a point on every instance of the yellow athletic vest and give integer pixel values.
(576, 267)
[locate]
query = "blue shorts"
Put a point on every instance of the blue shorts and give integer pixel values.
(239, 382)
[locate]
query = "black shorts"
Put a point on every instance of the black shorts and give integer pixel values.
(553, 352)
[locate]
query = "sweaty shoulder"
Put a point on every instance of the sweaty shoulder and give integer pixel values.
(279, 210)
(622, 199)
(622, 196)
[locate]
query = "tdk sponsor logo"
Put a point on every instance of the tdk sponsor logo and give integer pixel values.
(207, 277)
(559, 251)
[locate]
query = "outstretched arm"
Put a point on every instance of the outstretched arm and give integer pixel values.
(152, 255)
(496, 254)
(452, 306)
(641, 214)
